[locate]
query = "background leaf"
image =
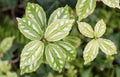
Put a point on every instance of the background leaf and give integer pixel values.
(85, 29)
(6, 44)
(112, 3)
(73, 40)
(91, 51)
(84, 8)
(58, 30)
(107, 46)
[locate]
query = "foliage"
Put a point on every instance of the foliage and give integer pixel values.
(5, 67)
(103, 65)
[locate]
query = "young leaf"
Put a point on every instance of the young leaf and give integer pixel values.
(100, 28)
(55, 56)
(60, 13)
(86, 29)
(107, 46)
(69, 50)
(73, 40)
(91, 51)
(37, 14)
(58, 30)
(112, 3)
(85, 8)
(6, 44)
(29, 28)
(31, 54)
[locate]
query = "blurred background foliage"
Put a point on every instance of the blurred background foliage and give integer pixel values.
(102, 66)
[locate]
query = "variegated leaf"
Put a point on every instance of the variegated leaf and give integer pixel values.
(58, 30)
(107, 46)
(31, 54)
(73, 40)
(37, 14)
(6, 44)
(29, 28)
(85, 8)
(100, 28)
(91, 51)
(112, 3)
(68, 49)
(60, 13)
(55, 56)
(31, 68)
(86, 29)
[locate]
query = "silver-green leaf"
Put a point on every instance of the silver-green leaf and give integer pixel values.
(55, 56)
(100, 28)
(86, 29)
(91, 51)
(31, 68)
(112, 3)
(61, 13)
(37, 14)
(59, 29)
(31, 54)
(30, 28)
(85, 8)
(68, 49)
(73, 40)
(107, 46)
(6, 44)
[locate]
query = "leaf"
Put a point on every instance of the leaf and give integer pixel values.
(86, 29)
(37, 14)
(29, 28)
(91, 51)
(5, 66)
(73, 40)
(11, 74)
(31, 54)
(61, 13)
(58, 30)
(55, 56)
(68, 49)
(112, 3)
(107, 46)
(31, 68)
(85, 8)
(6, 44)
(100, 28)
